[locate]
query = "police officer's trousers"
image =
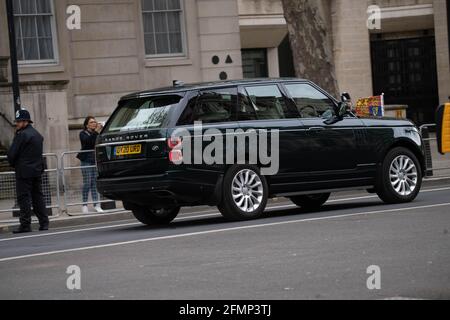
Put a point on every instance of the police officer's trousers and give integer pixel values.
(29, 192)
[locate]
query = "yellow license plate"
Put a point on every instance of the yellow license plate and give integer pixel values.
(128, 150)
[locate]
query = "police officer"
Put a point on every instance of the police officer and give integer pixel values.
(25, 156)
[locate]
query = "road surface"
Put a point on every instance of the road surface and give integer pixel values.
(288, 254)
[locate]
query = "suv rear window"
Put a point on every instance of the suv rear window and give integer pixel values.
(143, 113)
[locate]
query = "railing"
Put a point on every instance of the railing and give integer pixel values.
(50, 186)
(79, 181)
(64, 183)
(428, 141)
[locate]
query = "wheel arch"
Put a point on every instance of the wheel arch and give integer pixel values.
(411, 146)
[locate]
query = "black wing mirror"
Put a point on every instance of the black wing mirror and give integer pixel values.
(345, 105)
(345, 96)
(342, 109)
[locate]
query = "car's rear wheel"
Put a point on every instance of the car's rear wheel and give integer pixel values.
(311, 202)
(149, 216)
(245, 193)
(400, 177)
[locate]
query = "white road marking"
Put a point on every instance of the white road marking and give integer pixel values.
(98, 228)
(254, 226)
(190, 217)
(403, 299)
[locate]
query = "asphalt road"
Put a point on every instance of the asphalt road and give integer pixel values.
(289, 254)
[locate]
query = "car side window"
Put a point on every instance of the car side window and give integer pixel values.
(211, 106)
(245, 111)
(268, 102)
(311, 103)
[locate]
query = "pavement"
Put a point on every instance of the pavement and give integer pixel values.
(288, 254)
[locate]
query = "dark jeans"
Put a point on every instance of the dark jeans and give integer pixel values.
(89, 181)
(29, 192)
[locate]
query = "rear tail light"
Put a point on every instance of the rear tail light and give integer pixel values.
(173, 142)
(175, 154)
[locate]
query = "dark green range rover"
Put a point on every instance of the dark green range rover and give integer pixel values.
(316, 145)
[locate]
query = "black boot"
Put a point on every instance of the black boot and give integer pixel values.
(43, 227)
(22, 229)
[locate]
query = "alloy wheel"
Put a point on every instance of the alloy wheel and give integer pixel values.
(247, 190)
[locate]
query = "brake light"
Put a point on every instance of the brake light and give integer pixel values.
(175, 154)
(173, 142)
(176, 157)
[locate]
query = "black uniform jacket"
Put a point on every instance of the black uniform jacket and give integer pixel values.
(25, 154)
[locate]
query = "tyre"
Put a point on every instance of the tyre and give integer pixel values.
(311, 202)
(245, 193)
(400, 177)
(155, 216)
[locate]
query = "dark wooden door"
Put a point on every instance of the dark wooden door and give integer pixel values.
(405, 71)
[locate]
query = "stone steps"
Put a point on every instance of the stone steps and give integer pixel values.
(4, 166)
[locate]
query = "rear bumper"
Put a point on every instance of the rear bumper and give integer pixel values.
(163, 189)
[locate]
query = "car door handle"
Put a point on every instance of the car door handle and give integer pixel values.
(316, 129)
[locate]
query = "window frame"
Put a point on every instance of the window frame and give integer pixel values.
(314, 86)
(197, 95)
(293, 112)
(266, 61)
(54, 31)
(183, 32)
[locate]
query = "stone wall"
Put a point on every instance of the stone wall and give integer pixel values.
(47, 103)
(442, 49)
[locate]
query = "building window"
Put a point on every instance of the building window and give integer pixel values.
(163, 27)
(254, 63)
(35, 31)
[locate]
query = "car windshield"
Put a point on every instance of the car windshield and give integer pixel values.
(142, 113)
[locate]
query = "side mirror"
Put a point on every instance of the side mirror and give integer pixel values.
(345, 97)
(339, 116)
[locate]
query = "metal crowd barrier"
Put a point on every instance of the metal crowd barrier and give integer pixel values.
(50, 186)
(75, 176)
(63, 182)
(428, 140)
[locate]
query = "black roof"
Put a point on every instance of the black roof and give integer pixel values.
(205, 85)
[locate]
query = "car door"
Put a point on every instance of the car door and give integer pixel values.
(264, 107)
(333, 151)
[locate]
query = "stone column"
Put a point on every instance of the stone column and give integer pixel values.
(273, 63)
(352, 47)
(442, 51)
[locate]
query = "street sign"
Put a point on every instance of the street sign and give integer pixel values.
(443, 128)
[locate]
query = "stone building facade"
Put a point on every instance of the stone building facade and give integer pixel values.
(131, 45)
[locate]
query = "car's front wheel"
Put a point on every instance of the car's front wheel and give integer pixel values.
(400, 177)
(245, 193)
(161, 216)
(311, 202)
